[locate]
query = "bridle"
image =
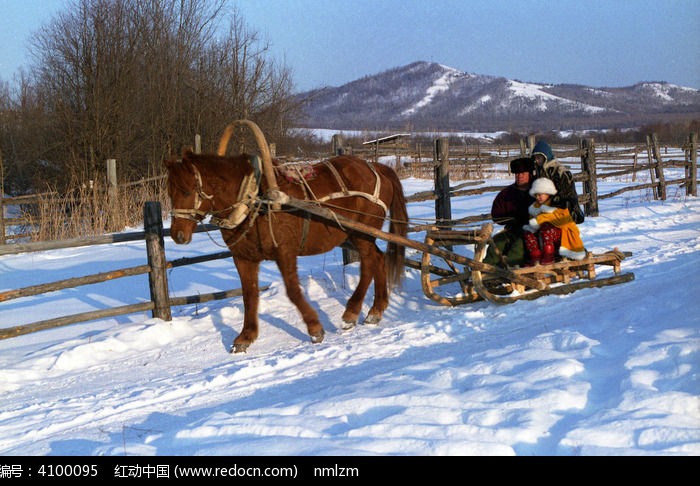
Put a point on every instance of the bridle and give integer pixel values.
(247, 194)
(195, 214)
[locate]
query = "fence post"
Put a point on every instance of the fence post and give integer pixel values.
(590, 183)
(2, 201)
(350, 254)
(650, 162)
(655, 167)
(155, 249)
(113, 219)
(112, 181)
(197, 144)
(530, 143)
(691, 168)
(337, 144)
(441, 155)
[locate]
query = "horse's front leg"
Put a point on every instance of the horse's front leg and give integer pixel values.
(248, 273)
(287, 265)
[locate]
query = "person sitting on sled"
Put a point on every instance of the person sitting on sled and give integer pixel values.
(551, 230)
(546, 165)
(509, 209)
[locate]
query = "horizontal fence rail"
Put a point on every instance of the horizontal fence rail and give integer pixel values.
(153, 305)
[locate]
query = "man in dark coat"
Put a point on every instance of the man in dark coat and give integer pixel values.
(547, 166)
(509, 209)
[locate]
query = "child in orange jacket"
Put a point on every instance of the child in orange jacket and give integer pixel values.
(550, 229)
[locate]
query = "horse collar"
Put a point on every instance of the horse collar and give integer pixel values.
(247, 193)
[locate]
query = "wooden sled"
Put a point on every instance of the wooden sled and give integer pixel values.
(446, 283)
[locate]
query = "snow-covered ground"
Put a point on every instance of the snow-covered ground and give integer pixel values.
(609, 371)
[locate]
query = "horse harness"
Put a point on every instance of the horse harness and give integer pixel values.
(344, 192)
(302, 178)
(249, 190)
(199, 196)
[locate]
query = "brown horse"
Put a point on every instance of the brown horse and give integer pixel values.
(230, 189)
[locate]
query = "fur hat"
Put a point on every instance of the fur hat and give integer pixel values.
(543, 186)
(523, 164)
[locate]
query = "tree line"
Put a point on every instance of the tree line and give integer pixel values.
(134, 81)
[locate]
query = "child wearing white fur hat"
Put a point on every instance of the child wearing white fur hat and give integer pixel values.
(550, 229)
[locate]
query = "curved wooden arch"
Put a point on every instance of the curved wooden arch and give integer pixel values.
(262, 147)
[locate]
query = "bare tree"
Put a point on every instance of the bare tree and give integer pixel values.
(236, 78)
(135, 80)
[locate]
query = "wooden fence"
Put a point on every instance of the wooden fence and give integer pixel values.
(465, 162)
(591, 171)
(92, 208)
(156, 268)
(154, 232)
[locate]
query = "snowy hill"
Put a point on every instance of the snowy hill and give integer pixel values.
(430, 96)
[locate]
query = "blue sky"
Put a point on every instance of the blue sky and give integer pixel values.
(608, 43)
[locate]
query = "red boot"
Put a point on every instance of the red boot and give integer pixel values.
(532, 245)
(551, 237)
(548, 254)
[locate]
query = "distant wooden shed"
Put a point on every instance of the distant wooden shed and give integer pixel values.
(395, 140)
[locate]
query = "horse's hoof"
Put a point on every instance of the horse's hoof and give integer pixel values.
(348, 325)
(318, 338)
(350, 317)
(238, 348)
(373, 319)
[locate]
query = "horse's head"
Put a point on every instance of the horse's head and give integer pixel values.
(190, 204)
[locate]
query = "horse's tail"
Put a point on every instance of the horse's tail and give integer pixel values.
(398, 225)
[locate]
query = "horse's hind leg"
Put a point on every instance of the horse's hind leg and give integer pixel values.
(372, 267)
(288, 269)
(248, 273)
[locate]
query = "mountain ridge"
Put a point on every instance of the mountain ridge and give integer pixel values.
(428, 95)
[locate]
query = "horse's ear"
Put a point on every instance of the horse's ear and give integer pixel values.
(186, 151)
